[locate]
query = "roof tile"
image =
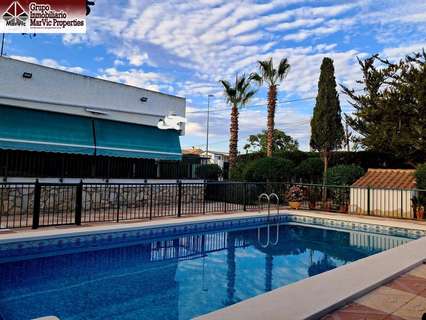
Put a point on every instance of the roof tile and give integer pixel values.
(387, 178)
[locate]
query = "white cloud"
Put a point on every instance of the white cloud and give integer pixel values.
(138, 78)
(400, 52)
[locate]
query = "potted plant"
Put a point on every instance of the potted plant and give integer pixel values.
(295, 197)
(418, 207)
(420, 213)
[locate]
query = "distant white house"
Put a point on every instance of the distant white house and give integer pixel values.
(386, 192)
(217, 157)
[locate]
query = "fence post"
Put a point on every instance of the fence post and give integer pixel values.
(224, 187)
(118, 204)
(244, 196)
(78, 203)
(204, 196)
(402, 203)
(179, 213)
(368, 200)
(36, 205)
(150, 202)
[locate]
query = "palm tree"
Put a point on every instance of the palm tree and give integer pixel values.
(237, 96)
(272, 77)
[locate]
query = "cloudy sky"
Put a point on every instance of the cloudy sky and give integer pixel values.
(185, 47)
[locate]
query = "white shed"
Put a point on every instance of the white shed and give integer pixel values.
(384, 192)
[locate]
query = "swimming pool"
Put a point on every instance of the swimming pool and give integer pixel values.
(177, 272)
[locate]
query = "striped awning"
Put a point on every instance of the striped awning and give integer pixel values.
(117, 139)
(33, 130)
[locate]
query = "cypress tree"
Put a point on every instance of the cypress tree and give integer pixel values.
(326, 125)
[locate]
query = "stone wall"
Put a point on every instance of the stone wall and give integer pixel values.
(18, 199)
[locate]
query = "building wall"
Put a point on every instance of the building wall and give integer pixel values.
(60, 91)
(383, 202)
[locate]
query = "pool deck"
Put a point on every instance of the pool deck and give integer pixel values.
(401, 299)
(346, 287)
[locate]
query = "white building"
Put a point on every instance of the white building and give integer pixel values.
(217, 157)
(85, 126)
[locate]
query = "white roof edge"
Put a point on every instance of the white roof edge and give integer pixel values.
(91, 77)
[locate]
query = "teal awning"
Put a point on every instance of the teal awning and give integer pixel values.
(118, 139)
(32, 130)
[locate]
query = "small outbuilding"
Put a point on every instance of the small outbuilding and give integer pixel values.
(384, 192)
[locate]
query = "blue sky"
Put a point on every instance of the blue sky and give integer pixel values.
(186, 47)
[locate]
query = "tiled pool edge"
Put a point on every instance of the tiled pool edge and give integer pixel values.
(399, 228)
(316, 296)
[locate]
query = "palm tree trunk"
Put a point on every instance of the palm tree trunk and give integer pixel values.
(233, 140)
(272, 102)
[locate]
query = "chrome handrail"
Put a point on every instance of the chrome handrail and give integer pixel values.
(278, 201)
(268, 197)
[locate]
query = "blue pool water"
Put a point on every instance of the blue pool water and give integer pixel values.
(176, 277)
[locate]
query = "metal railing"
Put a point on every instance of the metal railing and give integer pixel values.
(46, 204)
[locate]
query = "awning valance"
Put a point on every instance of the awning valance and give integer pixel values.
(118, 139)
(31, 130)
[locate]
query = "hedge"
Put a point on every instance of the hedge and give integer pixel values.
(344, 174)
(268, 169)
(208, 172)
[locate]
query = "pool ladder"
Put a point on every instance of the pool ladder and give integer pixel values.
(268, 238)
(268, 197)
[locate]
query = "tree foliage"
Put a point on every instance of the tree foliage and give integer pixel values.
(281, 142)
(390, 113)
(310, 170)
(421, 177)
(326, 125)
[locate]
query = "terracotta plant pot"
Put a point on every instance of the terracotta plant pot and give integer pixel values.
(326, 206)
(343, 208)
(294, 204)
(420, 214)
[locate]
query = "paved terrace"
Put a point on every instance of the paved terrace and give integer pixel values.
(401, 299)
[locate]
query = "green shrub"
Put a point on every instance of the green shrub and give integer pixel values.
(269, 169)
(344, 174)
(237, 172)
(208, 171)
(421, 176)
(310, 170)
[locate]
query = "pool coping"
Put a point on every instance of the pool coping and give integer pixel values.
(308, 300)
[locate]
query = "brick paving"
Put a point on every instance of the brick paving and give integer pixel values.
(401, 299)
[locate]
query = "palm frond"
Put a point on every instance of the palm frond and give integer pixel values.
(283, 69)
(230, 92)
(254, 76)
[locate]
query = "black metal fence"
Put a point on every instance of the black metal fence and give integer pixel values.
(46, 204)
